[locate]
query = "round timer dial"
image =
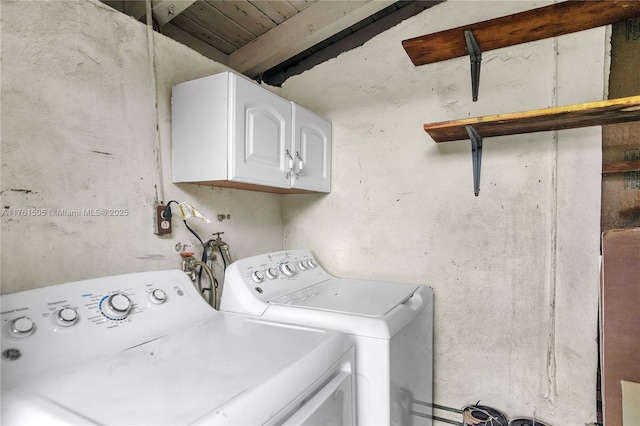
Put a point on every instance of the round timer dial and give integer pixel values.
(117, 306)
(288, 269)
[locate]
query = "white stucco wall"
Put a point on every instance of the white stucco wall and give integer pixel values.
(78, 132)
(515, 270)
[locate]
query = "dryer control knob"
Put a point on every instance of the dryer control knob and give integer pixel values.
(66, 317)
(288, 269)
(21, 327)
(117, 306)
(303, 265)
(158, 296)
(257, 276)
(272, 273)
(312, 263)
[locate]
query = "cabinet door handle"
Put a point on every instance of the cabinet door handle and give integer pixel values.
(300, 164)
(289, 160)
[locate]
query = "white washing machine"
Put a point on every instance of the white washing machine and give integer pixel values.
(391, 323)
(146, 349)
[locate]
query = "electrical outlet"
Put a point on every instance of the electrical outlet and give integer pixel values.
(162, 224)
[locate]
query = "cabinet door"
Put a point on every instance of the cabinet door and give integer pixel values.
(311, 150)
(261, 134)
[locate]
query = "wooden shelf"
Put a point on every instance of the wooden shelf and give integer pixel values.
(621, 167)
(541, 120)
(535, 24)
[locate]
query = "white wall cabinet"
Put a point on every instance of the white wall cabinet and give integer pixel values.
(230, 132)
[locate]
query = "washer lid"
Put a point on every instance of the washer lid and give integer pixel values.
(227, 370)
(359, 297)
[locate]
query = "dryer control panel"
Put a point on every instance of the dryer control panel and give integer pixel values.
(252, 282)
(50, 327)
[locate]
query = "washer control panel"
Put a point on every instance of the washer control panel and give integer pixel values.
(252, 282)
(51, 326)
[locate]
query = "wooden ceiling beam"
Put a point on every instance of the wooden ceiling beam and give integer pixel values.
(314, 24)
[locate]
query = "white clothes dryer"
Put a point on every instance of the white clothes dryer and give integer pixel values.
(390, 322)
(147, 349)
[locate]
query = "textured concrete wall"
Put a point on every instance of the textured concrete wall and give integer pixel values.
(515, 271)
(79, 132)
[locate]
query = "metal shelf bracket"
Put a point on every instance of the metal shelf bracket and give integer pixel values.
(475, 55)
(476, 156)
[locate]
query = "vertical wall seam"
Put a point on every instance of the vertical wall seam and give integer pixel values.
(151, 54)
(607, 62)
(552, 393)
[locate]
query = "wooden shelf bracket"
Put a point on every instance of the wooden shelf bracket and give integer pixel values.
(476, 157)
(475, 55)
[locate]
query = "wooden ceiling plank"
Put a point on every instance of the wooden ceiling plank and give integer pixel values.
(217, 23)
(245, 15)
(165, 10)
(187, 25)
(309, 27)
(535, 24)
(566, 117)
(195, 43)
(301, 5)
(279, 11)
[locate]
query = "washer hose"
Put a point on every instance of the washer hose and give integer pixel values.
(213, 293)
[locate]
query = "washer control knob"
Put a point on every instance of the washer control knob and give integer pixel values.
(66, 317)
(312, 263)
(21, 327)
(117, 306)
(272, 273)
(288, 269)
(303, 265)
(257, 276)
(158, 296)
